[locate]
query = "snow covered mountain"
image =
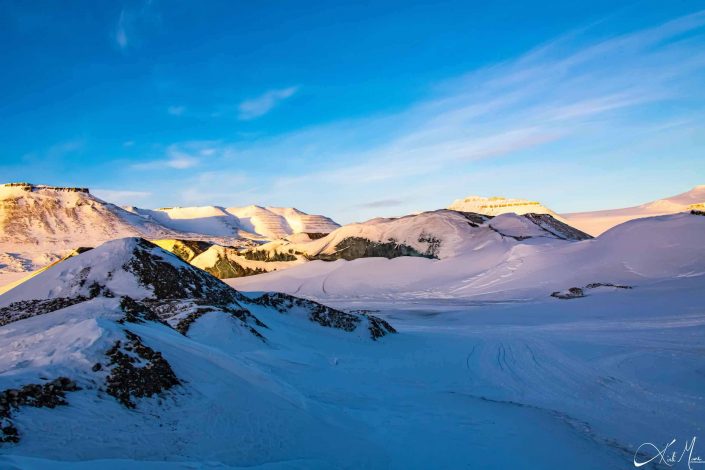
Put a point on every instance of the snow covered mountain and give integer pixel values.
(500, 205)
(40, 224)
(436, 234)
(597, 222)
(253, 222)
(134, 339)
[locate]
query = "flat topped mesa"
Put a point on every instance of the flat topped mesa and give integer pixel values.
(500, 205)
(34, 187)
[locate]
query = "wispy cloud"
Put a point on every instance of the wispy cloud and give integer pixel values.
(561, 103)
(176, 110)
(132, 21)
(261, 105)
(186, 155)
(382, 203)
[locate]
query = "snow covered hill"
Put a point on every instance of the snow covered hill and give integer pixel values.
(128, 326)
(505, 258)
(436, 234)
(500, 205)
(597, 222)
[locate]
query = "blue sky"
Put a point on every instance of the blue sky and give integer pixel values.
(355, 110)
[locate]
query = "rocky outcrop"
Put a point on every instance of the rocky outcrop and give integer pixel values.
(227, 268)
(357, 247)
(577, 292)
(35, 187)
(137, 371)
(187, 250)
(557, 228)
(46, 395)
(572, 293)
(324, 315)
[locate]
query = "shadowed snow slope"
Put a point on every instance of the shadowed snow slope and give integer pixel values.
(129, 326)
(597, 222)
(161, 362)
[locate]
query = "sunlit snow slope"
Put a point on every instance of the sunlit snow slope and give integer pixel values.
(597, 222)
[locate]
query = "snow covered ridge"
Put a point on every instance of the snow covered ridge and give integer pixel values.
(92, 310)
(597, 222)
(253, 222)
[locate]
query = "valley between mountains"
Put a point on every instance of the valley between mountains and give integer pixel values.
(494, 332)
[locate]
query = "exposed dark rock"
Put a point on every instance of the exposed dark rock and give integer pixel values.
(576, 292)
(379, 327)
(47, 395)
(315, 235)
(572, 293)
(137, 371)
(136, 312)
(557, 228)
(226, 268)
(262, 255)
(324, 315)
(595, 285)
(474, 219)
(170, 281)
(357, 247)
(187, 250)
(697, 212)
(515, 237)
(33, 187)
(29, 308)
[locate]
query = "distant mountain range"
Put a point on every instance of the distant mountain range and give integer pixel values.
(41, 224)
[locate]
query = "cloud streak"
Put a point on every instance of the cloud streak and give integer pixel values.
(263, 104)
(132, 21)
(562, 103)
